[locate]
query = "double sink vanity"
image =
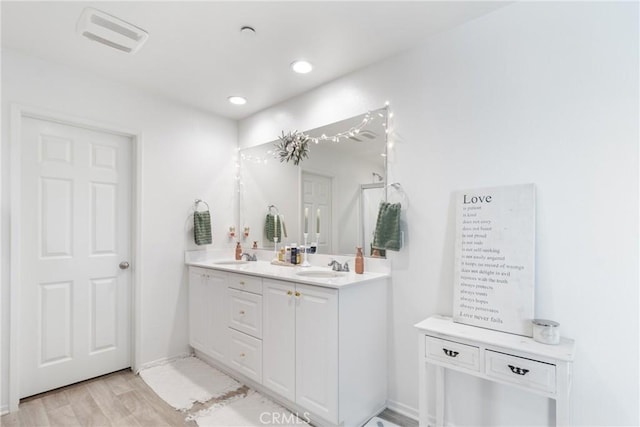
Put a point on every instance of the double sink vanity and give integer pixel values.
(313, 339)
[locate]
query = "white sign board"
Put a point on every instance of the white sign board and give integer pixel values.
(495, 258)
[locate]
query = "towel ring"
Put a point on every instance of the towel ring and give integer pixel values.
(398, 191)
(198, 201)
(270, 207)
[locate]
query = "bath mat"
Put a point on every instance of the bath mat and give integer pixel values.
(252, 409)
(183, 382)
(379, 422)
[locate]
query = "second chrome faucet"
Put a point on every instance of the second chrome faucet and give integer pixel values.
(336, 266)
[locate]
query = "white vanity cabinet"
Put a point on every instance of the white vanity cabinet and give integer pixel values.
(325, 349)
(321, 351)
(208, 331)
(300, 349)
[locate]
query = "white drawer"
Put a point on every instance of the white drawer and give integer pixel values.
(245, 283)
(245, 312)
(245, 355)
(453, 353)
(518, 370)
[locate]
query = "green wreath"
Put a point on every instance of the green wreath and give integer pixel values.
(293, 146)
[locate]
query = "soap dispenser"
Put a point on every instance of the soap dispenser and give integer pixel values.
(238, 251)
(359, 260)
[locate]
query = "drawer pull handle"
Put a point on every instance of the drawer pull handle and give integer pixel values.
(297, 293)
(518, 371)
(242, 354)
(242, 312)
(289, 293)
(242, 282)
(450, 353)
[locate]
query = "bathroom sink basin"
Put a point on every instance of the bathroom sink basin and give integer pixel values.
(320, 274)
(230, 262)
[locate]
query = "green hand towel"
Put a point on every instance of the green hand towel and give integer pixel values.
(202, 228)
(387, 234)
(270, 228)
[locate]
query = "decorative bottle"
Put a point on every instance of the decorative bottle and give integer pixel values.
(359, 261)
(238, 251)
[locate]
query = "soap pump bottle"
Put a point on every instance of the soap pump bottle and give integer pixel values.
(359, 260)
(238, 251)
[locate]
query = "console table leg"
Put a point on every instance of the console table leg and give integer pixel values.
(439, 396)
(423, 391)
(563, 401)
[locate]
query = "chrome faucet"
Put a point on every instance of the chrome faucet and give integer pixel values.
(336, 266)
(249, 257)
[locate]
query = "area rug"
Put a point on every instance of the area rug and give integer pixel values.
(252, 409)
(183, 382)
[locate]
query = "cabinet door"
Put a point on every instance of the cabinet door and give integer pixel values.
(317, 350)
(216, 306)
(208, 312)
(278, 335)
(198, 316)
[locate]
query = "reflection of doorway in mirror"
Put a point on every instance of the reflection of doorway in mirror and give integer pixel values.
(316, 197)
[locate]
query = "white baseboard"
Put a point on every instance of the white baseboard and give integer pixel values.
(403, 409)
(4, 409)
(413, 413)
(163, 361)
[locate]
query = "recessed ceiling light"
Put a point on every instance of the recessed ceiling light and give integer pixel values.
(237, 100)
(301, 67)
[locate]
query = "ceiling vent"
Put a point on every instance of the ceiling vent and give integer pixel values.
(111, 31)
(365, 133)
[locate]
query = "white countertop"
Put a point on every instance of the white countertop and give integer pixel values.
(267, 270)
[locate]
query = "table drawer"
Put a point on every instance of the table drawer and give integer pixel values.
(245, 312)
(453, 353)
(245, 283)
(518, 370)
(245, 355)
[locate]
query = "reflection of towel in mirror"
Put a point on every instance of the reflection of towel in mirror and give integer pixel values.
(387, 235)
(270, 228)
(202, 228)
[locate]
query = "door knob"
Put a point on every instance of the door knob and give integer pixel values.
(123, 265)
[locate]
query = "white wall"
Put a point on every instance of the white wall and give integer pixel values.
(535, 92)
(187, 155)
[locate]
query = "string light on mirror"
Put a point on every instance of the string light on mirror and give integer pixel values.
(294, 145)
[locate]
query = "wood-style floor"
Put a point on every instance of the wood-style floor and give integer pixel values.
(117, 399)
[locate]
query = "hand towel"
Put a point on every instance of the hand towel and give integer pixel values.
(270, 228)
(387, 234)
(202, 228)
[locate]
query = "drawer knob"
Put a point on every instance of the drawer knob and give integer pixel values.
(297, 293)
(242, 282)
(242, 354)
(242, 312)
(289, 293)
(518, 371)
(450, 353)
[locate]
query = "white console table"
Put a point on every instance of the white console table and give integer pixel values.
(495, 356)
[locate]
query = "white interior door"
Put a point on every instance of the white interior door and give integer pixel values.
(75, 320)
(317, 196)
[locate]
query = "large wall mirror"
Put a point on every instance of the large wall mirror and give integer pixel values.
(339, 186)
